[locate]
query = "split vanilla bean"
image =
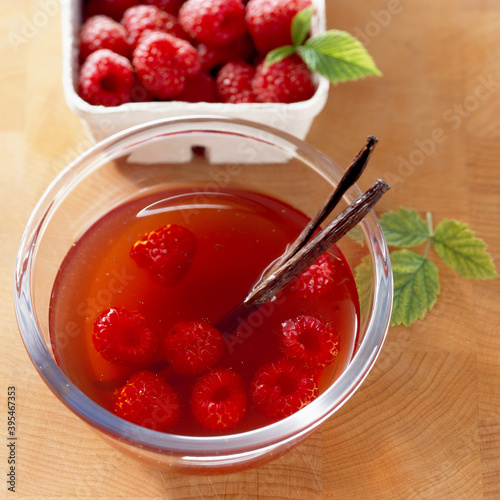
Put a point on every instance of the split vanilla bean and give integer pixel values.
(312, 250)
(266, 289)
(349, 178)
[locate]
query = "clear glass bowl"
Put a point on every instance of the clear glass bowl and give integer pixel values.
(140, 161)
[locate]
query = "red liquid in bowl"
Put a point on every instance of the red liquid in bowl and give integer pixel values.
(238, 235)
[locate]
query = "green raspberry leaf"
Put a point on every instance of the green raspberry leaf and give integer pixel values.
(460, 249)
(404, 228)
(416, 286)
(301, 25)
(338, 56)
(276, 55)
(363, 276)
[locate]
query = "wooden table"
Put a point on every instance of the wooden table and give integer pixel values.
(426, 423)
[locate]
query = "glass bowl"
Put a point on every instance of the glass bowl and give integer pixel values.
(212, 152)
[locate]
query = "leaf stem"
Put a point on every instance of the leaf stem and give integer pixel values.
(427, 248)
(430, 224)
(430, 227)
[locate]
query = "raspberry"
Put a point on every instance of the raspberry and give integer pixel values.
(170, 6)
(163, 62)
(316, 280)
(188, 55)
(166, 252)
(110, 8)
(101, 32)
(219, 400)
(309, 341)
(125, 337)
(141, 18)
(199, 88)
(269, 22)
(148, 400)
(241, 49)
(106, 79)
(283, 387)
(139, 92)
(192, 347)
(234, 82)
(288, 80)
(214, 22)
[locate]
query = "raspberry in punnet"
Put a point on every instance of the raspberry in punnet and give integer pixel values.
(219, 400)
(106, 79)
(110, 8)
(234, 82)
(189, 56)
(147, 400)
(191, 347)
(141, 18)
(316, 280)
(310, 341)
(125, 337)
(283, 387)
(170, 6)
(199, 88)
(139, 92)
(241, 49)
(214, 22)
(166, 253)
(102, 32)
(269, 22)
(163, 62)
(286, 81)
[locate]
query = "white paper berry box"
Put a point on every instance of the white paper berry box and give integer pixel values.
(102, 122)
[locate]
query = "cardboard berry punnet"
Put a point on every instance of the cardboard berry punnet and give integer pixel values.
(102, 122)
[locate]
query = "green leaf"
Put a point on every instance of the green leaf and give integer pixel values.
(416, 286)
(460, 249)
(363, 276)
(276, 55)
(301, 25)
(404, 228)
(338, 56)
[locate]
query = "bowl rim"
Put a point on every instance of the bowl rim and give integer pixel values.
(283, 431)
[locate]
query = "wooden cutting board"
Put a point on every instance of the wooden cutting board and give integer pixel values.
(426, 422)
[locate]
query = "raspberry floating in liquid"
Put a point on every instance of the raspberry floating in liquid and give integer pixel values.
(124, 337)
(316, 280)
(310, 341)
(147, 400)
(191, 347)
(283, 387)
(219, 400)
(166, 252)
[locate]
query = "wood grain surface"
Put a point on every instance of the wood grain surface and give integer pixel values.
(426, 422)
